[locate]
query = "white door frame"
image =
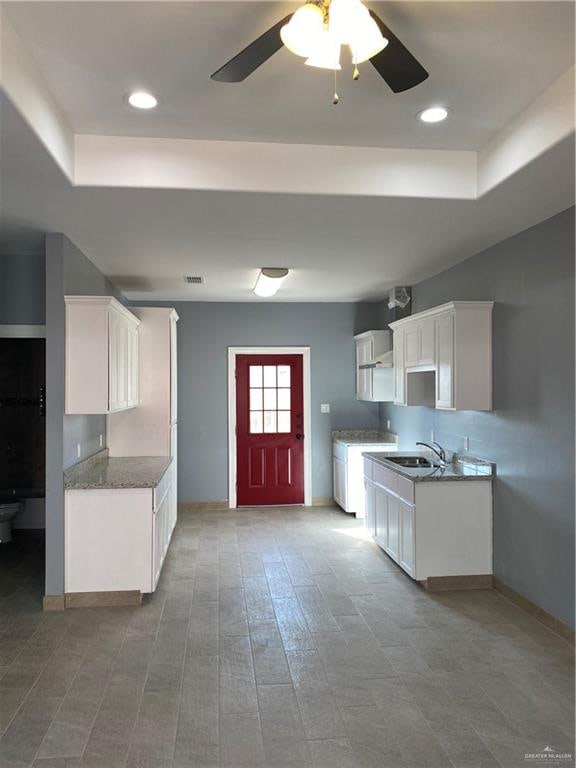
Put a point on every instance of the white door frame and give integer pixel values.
(232, 353)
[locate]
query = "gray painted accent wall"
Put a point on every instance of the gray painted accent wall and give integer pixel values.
(530, 432)
(22, 289)
(206, 330)
(68, 272)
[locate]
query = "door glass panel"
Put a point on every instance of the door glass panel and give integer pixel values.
(269, 375)
(256, 422)
(255, 375)
(283, 399)
(283, 375)
(256, 399)
(269, 399)
(283, 421)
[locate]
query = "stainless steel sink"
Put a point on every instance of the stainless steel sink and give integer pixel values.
(415, 462)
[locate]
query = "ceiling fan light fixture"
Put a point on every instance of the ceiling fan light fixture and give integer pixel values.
(326, 54)
(269, 280)
(301, 33)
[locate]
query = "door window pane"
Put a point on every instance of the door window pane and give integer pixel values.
(270, 400)
(283, 421)
(269, 375)
(256, 399)
(255, 375)
(283, 375)
(270, 421)
(256, 422)
(283, 399)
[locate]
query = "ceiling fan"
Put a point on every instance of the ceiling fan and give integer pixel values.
(318, 30)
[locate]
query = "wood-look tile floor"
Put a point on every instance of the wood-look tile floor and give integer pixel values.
(277, 637)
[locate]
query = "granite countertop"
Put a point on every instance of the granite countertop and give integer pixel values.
(363, 437)
(461, 467)
(101, 471)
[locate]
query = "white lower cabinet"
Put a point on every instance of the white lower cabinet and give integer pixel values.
(116, 539)
(431, 529)
(348, 480)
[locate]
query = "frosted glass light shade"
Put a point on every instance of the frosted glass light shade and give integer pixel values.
(301, 33)
(366, 41)
(326, 54)
(269, 280)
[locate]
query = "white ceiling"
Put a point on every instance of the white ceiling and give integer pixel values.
(487, 61)
(339, 247)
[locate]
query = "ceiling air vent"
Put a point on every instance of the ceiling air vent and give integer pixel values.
(193, 279)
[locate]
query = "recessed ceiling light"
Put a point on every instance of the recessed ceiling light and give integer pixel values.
(142, 100)
(433, 115)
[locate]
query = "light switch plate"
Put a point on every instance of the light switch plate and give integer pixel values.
(101, 440)
(78, 451)
(466, 443)
(432, 436)
(324, 407)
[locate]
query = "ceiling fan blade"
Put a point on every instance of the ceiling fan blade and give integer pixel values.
(395, 64)
(248, 60)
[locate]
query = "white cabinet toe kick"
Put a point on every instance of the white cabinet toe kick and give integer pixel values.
(438, 532)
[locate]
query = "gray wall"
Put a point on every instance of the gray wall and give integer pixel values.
(22, 289)
(530, 432)
(68, 272)
(206, 330)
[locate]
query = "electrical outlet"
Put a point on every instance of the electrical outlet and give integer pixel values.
(466, 443)
(78, 451)
(324, 407)
(101, 440)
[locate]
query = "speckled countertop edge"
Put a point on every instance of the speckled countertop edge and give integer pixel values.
(363, 437)
(461, 468)
(102, 472)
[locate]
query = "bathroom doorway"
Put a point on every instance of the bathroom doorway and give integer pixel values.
(22, 462)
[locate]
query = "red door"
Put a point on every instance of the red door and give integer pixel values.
(270, 422)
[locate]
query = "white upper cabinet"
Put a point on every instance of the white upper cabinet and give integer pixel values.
(443, 357)
(373, 384)
(102, 356)
(150, 430)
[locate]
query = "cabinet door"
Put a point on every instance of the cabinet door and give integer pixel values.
(399, 373)
(411, 345)
(426, 341)
(339, 482)
(370, 511)
(363, 376)
(133, 376)
(116, 383)
(407, 537)
(445, 362)
(173, 373)
(393, 548)
(381, 515)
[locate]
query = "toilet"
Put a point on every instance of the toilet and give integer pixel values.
(7, 512)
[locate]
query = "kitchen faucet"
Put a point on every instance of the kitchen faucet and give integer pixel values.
(435, 448)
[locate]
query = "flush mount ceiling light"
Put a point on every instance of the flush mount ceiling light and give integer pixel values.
(317, 31)
(269, 280)
(433, 115)
(142, 100)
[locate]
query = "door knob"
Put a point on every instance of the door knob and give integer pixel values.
(299, 436)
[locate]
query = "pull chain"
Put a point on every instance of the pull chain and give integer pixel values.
(356, 73)
(335, 98)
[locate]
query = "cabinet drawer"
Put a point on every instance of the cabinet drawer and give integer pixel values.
(368, 469)
(162, 488)
(405, 489)
(385, 477)
(339, 451)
